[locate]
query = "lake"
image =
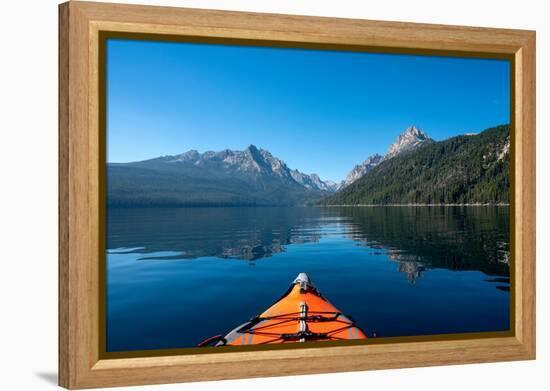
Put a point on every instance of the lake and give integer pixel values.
(177, 276)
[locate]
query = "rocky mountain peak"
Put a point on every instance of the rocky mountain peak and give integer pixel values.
(252, 161)
(373, 159)
(252, 149)
(415, 132)
(361, 169)
(313, 182)
(190, 155)
(410, 139)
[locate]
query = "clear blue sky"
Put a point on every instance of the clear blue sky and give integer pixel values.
(319, 111)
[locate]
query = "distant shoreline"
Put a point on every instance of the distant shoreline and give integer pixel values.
(402, 205)
(296, 206)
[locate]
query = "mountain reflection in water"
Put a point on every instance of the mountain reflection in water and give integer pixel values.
(416, 238)
(178, 276)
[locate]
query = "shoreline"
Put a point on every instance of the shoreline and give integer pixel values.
(297, 206)
(405, 205)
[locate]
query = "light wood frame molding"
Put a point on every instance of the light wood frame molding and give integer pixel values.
(80, 165)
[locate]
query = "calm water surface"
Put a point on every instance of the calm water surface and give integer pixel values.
(178, 276)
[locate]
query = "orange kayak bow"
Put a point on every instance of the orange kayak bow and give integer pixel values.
(301, 315)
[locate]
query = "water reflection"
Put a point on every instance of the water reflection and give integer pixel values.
(416, 238)
(178, 276)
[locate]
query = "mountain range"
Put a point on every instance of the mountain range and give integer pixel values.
(465, 169)
(254, 176)
(249, 177)
(407, 141)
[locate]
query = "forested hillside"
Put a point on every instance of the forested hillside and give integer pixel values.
(459, 170)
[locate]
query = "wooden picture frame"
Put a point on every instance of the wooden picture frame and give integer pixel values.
(81, 198)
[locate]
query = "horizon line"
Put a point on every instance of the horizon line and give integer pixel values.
(284, 160)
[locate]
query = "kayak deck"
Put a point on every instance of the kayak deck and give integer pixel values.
(301, 315)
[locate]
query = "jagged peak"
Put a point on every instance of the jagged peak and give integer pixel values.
(189, 152)
(411, 138)
(373, 158)
(413, 130)
(253, 160)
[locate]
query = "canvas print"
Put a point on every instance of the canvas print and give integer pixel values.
(262, 195)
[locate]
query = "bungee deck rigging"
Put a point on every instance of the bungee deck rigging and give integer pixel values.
(302, 314)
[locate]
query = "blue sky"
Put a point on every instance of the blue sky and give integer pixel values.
(319, 111)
